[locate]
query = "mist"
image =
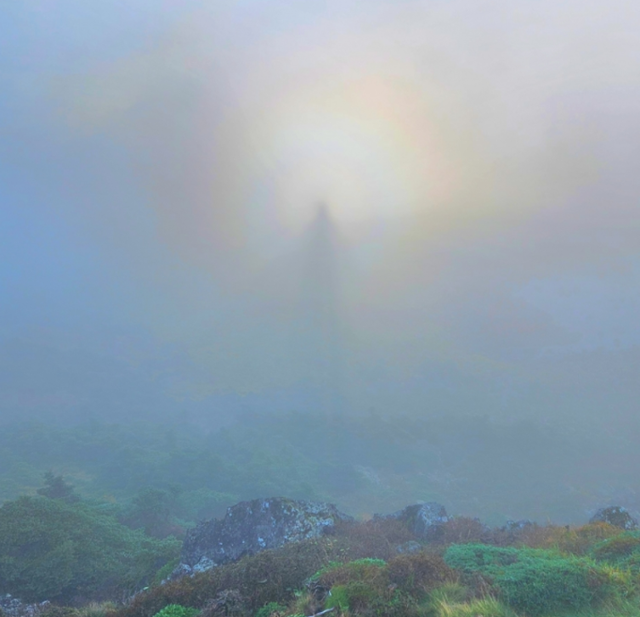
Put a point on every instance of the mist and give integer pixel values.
(406, 209)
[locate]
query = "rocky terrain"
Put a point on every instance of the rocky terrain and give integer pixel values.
(253, 526)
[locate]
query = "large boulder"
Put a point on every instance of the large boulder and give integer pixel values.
(424, 520)
(253, 526)
(616, 516)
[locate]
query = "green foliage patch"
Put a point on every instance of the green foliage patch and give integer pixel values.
(269, 576)
(622, 549)
(196, 475)
(176, 610)
(454, 600)
(534, 581)
(271, 607)
(375, 587)
(336, 572)
(51, 549)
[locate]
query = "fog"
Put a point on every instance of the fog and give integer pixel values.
(411, 208)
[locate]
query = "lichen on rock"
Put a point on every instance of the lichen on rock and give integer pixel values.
(253, 526)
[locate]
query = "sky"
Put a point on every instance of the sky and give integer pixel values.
(413, 207)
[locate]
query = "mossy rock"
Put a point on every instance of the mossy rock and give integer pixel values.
(616, 516)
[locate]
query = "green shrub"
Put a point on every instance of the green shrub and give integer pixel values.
(481, 557)
(618, 548)
(419, 573)
(335, 572)
(55, 487)
(574, 540)
(338, 598)
(534, 581)
(165, 571)
(366, 599)
(268, 609)
(59, 551)
(373, 587)
(176, 610)
(355, 585)
(269, 576)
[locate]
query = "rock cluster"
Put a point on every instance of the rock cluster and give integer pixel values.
(616, 516)
(253, 526)
(13, 607)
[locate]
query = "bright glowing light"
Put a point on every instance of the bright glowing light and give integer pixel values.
(366, 148)
(328, 160)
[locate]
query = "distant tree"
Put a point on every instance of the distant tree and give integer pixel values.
(55, 487)
(152, 511)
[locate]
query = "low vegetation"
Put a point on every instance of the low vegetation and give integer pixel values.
(165, 478)
(348, 577)
(102, 539)
(77, 554)
(52, 549)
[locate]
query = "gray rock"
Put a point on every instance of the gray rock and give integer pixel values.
(13, 607)
(515, 526)
(425, 520)
(253, 526)
(616, 516)
(180, 571)
(203, 565)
